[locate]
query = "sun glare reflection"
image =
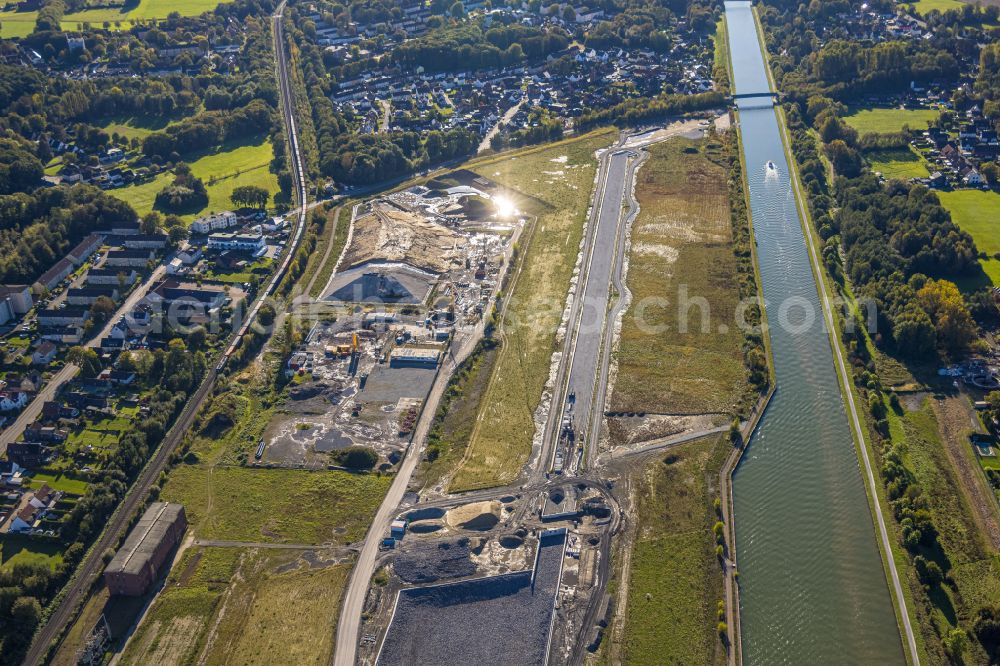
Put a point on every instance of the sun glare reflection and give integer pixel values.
(504, 206)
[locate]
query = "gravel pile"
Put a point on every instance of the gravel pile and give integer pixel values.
(423, 563)
(498, 620)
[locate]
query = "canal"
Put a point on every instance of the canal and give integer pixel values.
(812, 586)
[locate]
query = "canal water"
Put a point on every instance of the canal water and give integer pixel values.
(812, 587)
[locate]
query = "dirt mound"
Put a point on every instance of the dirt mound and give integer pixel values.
(425, 513)
(309, 390)
(425, 526)
(476, 516)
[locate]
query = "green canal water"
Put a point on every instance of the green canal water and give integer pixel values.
(812, 587)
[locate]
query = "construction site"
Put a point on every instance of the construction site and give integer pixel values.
(420, 269)
(501, 581)
(424, 245)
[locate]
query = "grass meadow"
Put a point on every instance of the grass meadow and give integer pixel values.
(682, 238)
(978, 213)
(888, 121)
(21, 24)
(675, 581)
(222, 172)
(897, 163)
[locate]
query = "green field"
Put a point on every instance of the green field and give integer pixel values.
(276, 505)
(927, 6)
(897, 163)
(675, 581)
(279, 618)
(21, 24)
(173, 631)
(681, 239)
(978, 213)
(554, 183)
(137, 127)
(456, 415)
(221, 171)
(887, 121)
(234, 605)
(60, 482)
(18, 549)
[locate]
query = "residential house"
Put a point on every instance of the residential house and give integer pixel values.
(15, 300)
(51, 278)
(85, 248)
(108, 276)
(27, 454)
(121, 377)
(238, 242)
(129, 258)
(973, 178)
(190, 256)
(187, 301)
(214, 222)
(71, 315)
(145, 242)
(44, 353)
(38, 432)
(53, 410)
(35, 509)
(10, 473)
(89, 295)
(14, 399)
(83, 401)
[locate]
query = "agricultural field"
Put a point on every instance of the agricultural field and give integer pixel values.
(897, 163)
(978, 213)
(675, 581)
(924, 7)
(887, 121)
(682, 237)
(222, 172)
(553, 183)
(21, 24)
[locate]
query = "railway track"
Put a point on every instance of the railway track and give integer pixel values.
(92, 565)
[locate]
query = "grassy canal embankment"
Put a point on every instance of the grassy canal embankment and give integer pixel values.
(671, 358)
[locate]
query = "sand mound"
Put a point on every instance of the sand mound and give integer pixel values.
(475, 516)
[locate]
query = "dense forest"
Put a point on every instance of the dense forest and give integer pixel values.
(896, 240)
(39, 228)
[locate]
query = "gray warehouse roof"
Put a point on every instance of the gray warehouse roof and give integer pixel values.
(145, 537)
